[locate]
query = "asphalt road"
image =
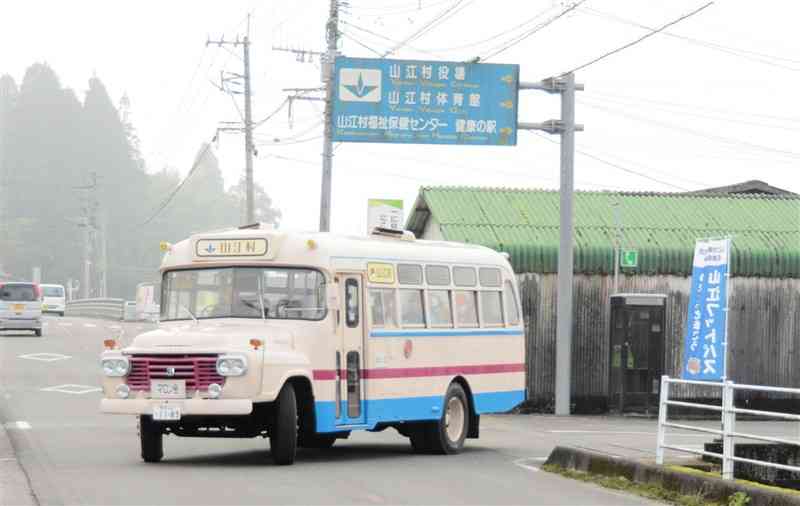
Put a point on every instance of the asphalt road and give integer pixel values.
(72, 454)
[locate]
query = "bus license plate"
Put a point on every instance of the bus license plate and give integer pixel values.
(168, 389)
(165, 412)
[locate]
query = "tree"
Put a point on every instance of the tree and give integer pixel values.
(262, 203)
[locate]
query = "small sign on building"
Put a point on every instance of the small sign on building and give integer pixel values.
(384, 213)
(629, 258)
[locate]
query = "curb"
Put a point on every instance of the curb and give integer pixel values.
(715, 489)
(15, 489)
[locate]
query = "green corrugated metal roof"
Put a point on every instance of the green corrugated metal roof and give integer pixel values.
(661, 226)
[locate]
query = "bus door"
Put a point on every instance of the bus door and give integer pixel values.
(350, 357)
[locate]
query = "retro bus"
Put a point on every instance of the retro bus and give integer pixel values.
(305, 337)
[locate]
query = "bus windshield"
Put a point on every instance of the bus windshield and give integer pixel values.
(234, 292)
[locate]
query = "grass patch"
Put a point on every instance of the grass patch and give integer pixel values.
(699, 472)
(647, 490)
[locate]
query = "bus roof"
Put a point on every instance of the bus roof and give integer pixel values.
(262, 246)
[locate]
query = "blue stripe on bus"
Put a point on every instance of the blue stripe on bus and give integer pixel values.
(411, 409)
(445, 332)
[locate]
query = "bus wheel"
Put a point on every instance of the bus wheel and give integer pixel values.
(317, 441)
(283, 431)
(419, 438)
(447, 435)
(151, 438)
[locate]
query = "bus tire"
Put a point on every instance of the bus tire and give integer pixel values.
(283, 430)
(37, 332)
(447, 435)
(151, 439)
(317, 441)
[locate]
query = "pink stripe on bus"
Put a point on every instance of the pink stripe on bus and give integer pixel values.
(418, 372)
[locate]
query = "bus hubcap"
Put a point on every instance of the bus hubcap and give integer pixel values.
(454, 419)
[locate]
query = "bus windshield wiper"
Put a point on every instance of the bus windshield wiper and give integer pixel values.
(190, 313)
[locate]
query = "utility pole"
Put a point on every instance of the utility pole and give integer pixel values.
(566, 127)
(89, 224)
(332, 37)
(248, 121)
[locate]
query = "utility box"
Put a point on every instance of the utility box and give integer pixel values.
(636, 346)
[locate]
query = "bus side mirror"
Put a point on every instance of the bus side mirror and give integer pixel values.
(332, 295)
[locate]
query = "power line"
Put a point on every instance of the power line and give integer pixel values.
(175, 191)
(352, 38)
(392, 41)
(497, 35)
(437, 20)
(617, 166)
(519, 38)
(631, 103)
(271, 115)
(742, 53)
(640, 39)
(719, 138)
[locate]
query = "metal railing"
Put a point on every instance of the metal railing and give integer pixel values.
(728, 412)
(112, 309)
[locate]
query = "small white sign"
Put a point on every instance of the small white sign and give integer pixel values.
(384, 213)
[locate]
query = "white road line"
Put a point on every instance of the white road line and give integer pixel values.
(599, 432)
(70, 388)
(45, 357)
(22, 425)
(525, 463)
(65, 324)
(89, 325)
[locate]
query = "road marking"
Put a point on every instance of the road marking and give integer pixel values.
(526, 463)
(70, 388)
(599, 432)
(89, 325)
(45, 357)
(22, 425)
(65, 324)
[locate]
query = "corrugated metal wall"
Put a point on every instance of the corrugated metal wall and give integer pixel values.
(764, 329)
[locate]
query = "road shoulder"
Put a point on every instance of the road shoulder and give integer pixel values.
(15, 489)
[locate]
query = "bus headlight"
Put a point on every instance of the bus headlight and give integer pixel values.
(116, 367)
(231, 365)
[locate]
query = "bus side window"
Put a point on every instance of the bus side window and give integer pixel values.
(466, 308)
(411, 306)
(351, 303)
(439, 312)
(383, 307)
(491, 309)
(510, 304)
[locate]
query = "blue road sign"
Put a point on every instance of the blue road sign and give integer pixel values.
(706, 343)
(424, 102)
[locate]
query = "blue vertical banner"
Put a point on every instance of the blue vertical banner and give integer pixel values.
(706, 343)
(424, 102)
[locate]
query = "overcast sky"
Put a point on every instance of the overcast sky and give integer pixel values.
(714, 103)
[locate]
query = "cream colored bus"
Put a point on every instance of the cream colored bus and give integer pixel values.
(305, 337)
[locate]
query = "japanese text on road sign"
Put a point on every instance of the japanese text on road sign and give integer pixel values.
(424, 102)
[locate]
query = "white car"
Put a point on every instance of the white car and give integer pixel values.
(54, 299)
(21, 307)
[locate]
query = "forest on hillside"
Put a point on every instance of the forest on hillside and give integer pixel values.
(55, 147)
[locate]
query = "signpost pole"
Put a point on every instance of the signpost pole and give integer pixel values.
(565, 255)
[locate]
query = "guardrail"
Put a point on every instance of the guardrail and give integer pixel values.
(112, 309)
(728, 412)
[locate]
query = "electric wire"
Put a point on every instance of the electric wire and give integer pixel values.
(525, 35)
(497, 35)
(638, 40)
(354, 39)
(718, 138)
(200, 157)
(387, 39)
(616, 165)
(435, 21)
(743, 53)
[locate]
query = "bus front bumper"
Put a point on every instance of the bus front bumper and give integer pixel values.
(187, 406)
